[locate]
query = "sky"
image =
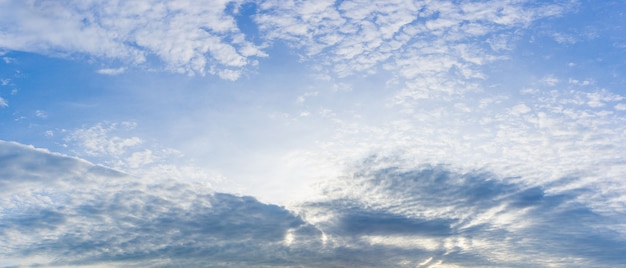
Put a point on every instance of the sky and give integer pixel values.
(426, 133)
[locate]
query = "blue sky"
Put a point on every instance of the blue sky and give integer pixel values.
(360, 133)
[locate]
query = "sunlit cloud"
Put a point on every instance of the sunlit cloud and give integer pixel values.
(312, 134)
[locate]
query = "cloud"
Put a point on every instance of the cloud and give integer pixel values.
(187, 36)
(421, 42)
(550, 80)
(520, 109)
(473, 219)
(112, 71)
(41, 114)
(520, 163)
(113, 144)
(96, 140)
(203, 37)
(58, 210)
(70, 212)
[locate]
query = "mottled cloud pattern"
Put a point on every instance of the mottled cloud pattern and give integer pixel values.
(70, 212)
(391, 133)
(187, 36)
(199, 37)
(64, 211)
(473, 219)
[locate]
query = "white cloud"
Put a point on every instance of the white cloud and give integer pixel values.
(580, 83)
(419, 41)
(8, 60)
(96, 140)
(112, 71)
(3, 102)
(188, 36)
(303, 97)
(229, 74)
(520, 109)
(141, 158)
(599, 98)
(113, 145)
(563, 38)
(550, 80)
(202, 37)
(41, 114)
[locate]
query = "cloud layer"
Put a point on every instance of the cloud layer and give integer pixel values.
(412, 39)
(465, 133)
(188, 36)
(64, 211)
(473, 219)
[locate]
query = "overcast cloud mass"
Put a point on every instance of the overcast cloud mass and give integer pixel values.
(312, 133)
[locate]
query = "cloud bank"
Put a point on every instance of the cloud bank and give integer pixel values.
(65, 211)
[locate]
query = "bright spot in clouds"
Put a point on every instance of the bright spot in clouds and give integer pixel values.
(314, 134)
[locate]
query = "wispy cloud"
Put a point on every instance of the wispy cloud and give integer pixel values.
(112, 71)
(96, 140)
(114, 145)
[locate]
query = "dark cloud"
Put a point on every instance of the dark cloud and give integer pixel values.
(107, 217)
(472, 218)
(381, 215)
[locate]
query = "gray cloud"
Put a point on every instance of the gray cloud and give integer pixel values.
(66, 211)
(465, 219)
(76, 213)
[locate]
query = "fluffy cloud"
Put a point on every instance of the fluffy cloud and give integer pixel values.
(430, 46)
(188, 36)
(113, 145)
(199, 37)
(97, 140)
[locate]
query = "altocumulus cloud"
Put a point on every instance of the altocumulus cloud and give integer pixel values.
(58, 210)
(203, 37)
